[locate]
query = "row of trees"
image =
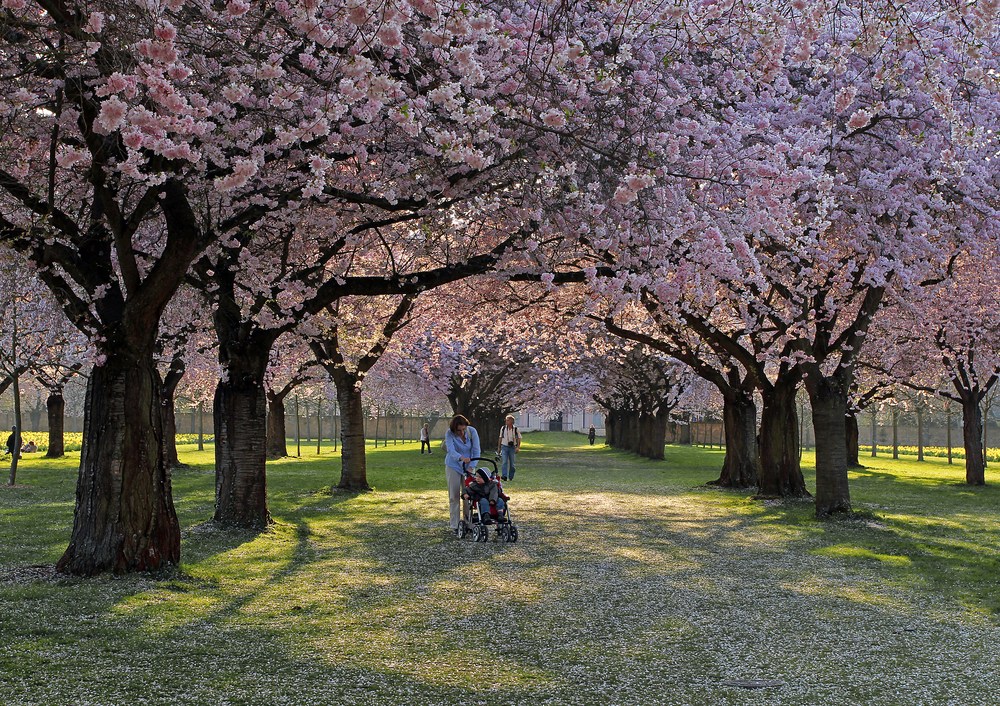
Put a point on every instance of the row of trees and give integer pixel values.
(741, 189)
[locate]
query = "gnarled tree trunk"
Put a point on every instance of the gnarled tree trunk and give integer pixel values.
(353, 462)
(853, 440)
(56, 407)
(741, 466)
(972, 438)
(276, 437)
(653, 435)
(829, 404)
(125, 519)
(780, 472)
(611, 425)
(168, 389)
(240, 413)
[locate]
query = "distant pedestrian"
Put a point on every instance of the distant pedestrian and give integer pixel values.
(508, 445)
(425, 438)
(11, 441)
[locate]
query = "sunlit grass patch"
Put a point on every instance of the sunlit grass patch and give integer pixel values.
(633, 583)
(847, 551)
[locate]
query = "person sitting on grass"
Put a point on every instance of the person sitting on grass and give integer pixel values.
(30, 447)
(482, 489)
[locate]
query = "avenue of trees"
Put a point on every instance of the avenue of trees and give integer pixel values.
(628, 204)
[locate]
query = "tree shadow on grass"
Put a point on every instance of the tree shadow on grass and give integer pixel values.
(939, 554)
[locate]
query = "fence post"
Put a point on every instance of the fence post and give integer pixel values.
(895, 434)
(874, 436)
(319, 427)
(298, 436)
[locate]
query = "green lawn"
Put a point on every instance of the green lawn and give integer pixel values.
(632, 584)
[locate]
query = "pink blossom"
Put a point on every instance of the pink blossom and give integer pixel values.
(860, 119)
(237, 8)
(69, 157)
(165, 32)
(845, 97)
(357, 15)
(112, 115)
(95, 23)
(553, 118)
(390, 35)
(133, 140)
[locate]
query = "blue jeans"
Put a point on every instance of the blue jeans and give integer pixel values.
(484, 507)
(507, 454)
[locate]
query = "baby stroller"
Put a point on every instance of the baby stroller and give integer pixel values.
(476, 524)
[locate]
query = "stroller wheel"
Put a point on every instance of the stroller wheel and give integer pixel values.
(512, 534)
(484, 533)
(477, 532)
(463, 529)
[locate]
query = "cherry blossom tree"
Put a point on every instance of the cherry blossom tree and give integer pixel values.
(145, 133)
(638, 391)
(945, 340)
(292, 368)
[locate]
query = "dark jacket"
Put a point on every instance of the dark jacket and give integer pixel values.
(490, 491)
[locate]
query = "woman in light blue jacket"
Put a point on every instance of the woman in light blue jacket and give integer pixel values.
(461, 444)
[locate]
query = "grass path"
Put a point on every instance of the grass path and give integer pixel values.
(632, 584)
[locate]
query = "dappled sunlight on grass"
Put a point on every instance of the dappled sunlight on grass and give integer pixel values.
(850, 552)
(632, 583)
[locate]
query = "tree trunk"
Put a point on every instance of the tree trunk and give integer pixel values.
(948, 435)
(634, 431)
(611, 427)
(972, 438)
(853, 437)
(240, 413)
(56, 406)
(169, 429)
(780, 472)
(276, 439)
(124, 519)
(920, 434)
(740, 467)
(829, 410)
(487, 423)
(685, 431)
(168, 391)
(652, 436)
(353, 464)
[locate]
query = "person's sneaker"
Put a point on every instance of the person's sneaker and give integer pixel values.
(503, 477)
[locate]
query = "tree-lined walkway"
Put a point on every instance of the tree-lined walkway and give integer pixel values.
(632, 584)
